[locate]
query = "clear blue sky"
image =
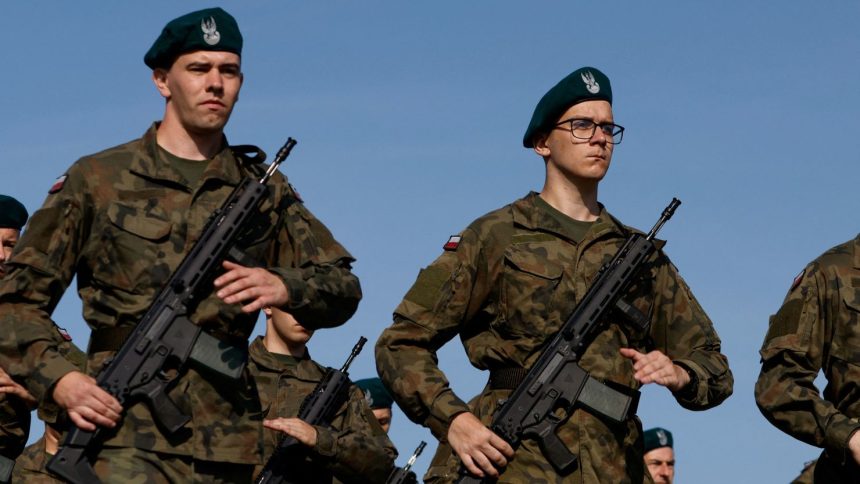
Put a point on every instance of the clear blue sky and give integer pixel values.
(409, 118)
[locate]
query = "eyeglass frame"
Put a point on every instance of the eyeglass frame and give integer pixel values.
(594, 126)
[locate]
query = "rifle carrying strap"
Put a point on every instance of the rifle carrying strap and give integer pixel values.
(612, 400)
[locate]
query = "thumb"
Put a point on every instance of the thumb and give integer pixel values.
(630, 353)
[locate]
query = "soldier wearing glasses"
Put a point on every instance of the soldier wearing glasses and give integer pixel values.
(508, 281)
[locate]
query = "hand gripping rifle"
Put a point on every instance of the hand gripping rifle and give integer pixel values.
(556, 381)
(165, 339)
(318, 408)
(403, 475)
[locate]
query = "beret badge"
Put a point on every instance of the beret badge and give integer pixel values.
(210, 31)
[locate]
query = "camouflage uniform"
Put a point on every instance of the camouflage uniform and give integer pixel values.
(121, 223)
(353, 449)
(511, 283)
(817, 328)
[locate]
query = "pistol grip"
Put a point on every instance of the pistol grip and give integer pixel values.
(552, 447)
(164, 411)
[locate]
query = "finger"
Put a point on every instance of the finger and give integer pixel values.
(471, 467)
(234, 272)
(94, 417)
(110, 403)
(484, 463)
(495, 457)
(80, 422)
(631, 354)
(501, 445)
(256, 304)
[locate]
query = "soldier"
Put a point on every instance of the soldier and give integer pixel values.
(353, 449)
(121, 221)
(660, 455)
(379, 399)
(13, 216)
(509, 280)
(15, 401)
(818, 329)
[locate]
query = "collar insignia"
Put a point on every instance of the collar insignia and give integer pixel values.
(210, 31)
(590, 83)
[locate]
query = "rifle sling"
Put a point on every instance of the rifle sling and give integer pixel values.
(610, 399)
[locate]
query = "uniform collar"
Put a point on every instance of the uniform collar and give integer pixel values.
(306, 370)
(527, 214)
(148, 163)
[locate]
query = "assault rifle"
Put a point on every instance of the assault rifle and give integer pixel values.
(318, 408)
(556, 381)
(403, 475)
(165, 339)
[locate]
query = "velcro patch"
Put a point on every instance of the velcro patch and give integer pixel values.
(58, 184)
(453, 243)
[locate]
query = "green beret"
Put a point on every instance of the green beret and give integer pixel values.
(656, 438)
(208, 29)
(13, 215)
(375, 393)
(583, 84)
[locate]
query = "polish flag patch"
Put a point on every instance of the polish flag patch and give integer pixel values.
(65, 334)
(797, 280)
(58, 184)
(453, 243)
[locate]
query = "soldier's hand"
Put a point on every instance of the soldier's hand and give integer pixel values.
(655, 367)
(254, 286)
(481, 450)
(11, 387)
(87, 403)
(296, 428)
(854, 446)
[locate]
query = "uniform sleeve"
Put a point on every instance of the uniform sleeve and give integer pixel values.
(358, 448)
(434, 310)
(316, 269)
(42, 267)
(683, 331)
(792, 356)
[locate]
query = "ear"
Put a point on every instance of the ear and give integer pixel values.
(159, 78)
(540, 145)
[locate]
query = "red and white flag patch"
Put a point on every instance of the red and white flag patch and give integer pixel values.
(58, 184)
(65, 334)
(453, 243)
(797, 280)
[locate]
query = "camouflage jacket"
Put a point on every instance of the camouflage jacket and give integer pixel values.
(509, 285)
(353, 449)
(121, 221)
(816, 329)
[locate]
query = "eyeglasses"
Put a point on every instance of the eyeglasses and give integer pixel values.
(584, 129)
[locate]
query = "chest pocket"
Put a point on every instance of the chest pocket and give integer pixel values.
(137, 248)
(529, 287)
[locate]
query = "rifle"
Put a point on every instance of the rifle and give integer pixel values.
(403, 475)
(556, 381)
(160, 346)
(318, 408)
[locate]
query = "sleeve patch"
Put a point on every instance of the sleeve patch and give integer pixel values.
(58, 184)
(453, 243)
(797, 280)
(427, 289)
(786, 321)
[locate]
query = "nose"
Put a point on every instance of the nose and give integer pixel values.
(215, 81)
(599, 137)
